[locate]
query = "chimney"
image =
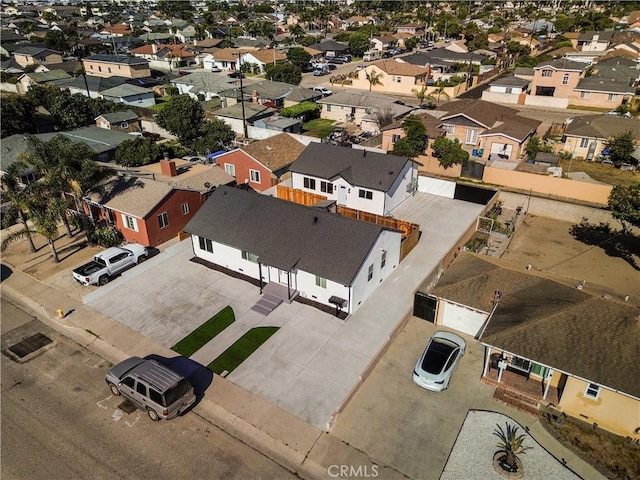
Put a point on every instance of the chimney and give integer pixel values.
(154, 48)
(168, 168)
(255, 97)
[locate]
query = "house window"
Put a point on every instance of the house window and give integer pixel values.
(584, 142)
(109, 69)
(91, 67)
(508, 90)
(230, 169)
(449, 129)
(395, 137)
(565, 79)
(130, 222)
(205, 244)
(612, 97)
(321, 282)
(125, 125)
(472, 137)
(163, 220)
(584, 94)
(99, 68)
(254, 175)
(370, 273)
(185, 208)
(252, 257)
(398, 79)
(328, 108)
(547, 73)
(368, 194)
(309, 183)
(383, 260)
(592, 391)
(326, 187)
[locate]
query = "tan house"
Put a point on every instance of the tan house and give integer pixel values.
(166, 56)
(546, 341)
(585, 136)
(395, 77)
(262, 58)
(124, 121)
(493, 132)
(116, 66)
(394, 132)
(597, 92)
(36, 55)
(553, 82)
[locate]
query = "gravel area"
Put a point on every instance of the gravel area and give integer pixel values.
(472, 454)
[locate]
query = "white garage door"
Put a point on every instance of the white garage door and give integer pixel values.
(462, 319)
(502, 149)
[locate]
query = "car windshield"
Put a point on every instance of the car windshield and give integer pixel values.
(436, 356)
(175, 392)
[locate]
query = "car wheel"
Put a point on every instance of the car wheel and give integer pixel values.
(153, 415)
(142, 258)
(114, 389)
(103, 280)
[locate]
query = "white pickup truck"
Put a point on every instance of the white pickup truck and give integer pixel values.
(110, 262)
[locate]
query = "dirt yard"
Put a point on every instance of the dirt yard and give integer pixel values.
(548, 245)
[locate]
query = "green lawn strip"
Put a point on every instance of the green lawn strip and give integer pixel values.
(241, 349)
(205, 332)
(319, 127)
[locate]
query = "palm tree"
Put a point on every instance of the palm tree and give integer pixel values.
(420, 94)
(374, 78)
(45, 214)
(296, 31)
(511, 444)
(18, 197)
(439, 91)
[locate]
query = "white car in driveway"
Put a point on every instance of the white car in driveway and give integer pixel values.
(434, 369)
(325, 91)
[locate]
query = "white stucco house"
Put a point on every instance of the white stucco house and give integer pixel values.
(368, 181)
(308, 252)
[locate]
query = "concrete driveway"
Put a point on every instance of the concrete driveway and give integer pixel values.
(404, 426)
(314, 362)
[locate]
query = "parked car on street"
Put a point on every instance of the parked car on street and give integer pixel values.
(109, 263)
(237, 74)
(434, 369)
(151, 387)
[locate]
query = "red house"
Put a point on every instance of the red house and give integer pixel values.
(261, 165)
(154, 208)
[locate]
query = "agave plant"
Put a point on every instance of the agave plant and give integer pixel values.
(510, 443)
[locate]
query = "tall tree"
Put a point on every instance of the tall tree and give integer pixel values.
(56, 40)
(624, 203)
(359, 43)
(621, 147)
(298, 56)
(283, 72)
(214, 135)
(137, 151)
(449, 152)
(182, 116)
(415, 139)
(374, 78)
(18, 115)
(17, 195)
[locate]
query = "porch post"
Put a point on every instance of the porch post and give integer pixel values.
(546, 386)
(289, 285)
(260, 275)
(487, 358)
(502, 365)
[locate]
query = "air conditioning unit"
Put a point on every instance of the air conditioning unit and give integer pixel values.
(412, 186)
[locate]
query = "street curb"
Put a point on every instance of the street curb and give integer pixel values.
(273, 448)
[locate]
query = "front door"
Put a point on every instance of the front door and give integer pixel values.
(342, 195)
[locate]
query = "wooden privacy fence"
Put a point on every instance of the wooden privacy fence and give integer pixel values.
(410, 231)
(298, 196)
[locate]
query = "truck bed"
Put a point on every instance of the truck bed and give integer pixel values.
(88, 269)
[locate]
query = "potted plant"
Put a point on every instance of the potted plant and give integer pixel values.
(505, 460)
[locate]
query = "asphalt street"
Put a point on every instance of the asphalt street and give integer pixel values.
(60, 421)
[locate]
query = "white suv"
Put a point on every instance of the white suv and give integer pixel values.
(325, 91)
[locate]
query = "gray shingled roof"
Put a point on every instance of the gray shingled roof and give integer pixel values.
(606, 85)
(562, 64)
(602, 126)
(96, 84)
(117, 117)
(126, 90)
(121, 59)
(537, 316)
(603, 36)
(376, 171)
(98, 139)
(510, 81)
(31, 51)
(285, 234)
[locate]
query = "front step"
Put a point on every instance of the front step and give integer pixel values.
(267, 304)
(517, 401)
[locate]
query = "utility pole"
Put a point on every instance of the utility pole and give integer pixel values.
(244, 118)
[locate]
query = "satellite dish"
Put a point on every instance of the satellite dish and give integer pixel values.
(207, 185)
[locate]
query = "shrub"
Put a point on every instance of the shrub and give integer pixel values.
(107, 236)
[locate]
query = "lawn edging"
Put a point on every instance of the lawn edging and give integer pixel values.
(241, 349)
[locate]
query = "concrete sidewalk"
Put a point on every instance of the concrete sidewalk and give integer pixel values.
(288, 440)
